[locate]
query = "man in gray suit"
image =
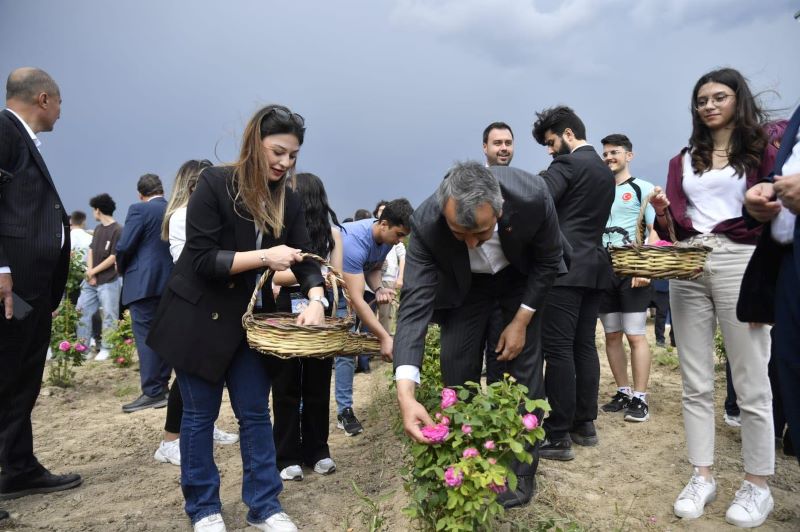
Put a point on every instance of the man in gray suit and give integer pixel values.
(489, 236)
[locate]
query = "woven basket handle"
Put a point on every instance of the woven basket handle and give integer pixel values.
(640, 222)
(334, 280)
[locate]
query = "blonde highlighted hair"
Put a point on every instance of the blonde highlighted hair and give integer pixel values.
(185, 183)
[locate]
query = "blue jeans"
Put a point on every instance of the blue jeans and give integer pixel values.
(104, 296)
(248, 387)
(344, 370)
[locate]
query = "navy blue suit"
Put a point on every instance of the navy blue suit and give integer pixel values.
(771, 294)
(144, 261)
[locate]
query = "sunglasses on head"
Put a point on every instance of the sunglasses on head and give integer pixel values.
(285, 115)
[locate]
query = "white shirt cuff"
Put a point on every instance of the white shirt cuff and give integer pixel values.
(5, 269)
(407, 372)
(526, 307)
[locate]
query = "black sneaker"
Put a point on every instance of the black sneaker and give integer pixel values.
(637, 411)
(557, 450)
(618, 402)
(145, 401)
(348, 422)
(584, 434)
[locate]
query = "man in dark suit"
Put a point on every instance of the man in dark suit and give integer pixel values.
(770, 290)
(145, 263)
(582, 188)
(34, 260)
(488, 236)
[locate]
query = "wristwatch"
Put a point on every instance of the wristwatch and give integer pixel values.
(322, 300)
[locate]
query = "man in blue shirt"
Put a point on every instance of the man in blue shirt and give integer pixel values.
(623, 308)
(365, 244)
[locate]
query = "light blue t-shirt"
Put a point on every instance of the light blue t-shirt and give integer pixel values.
(625, 211)
(361, 253)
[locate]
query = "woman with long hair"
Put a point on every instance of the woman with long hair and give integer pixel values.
(173, 230)
(728, 153)
(302, 386)
(241, 219)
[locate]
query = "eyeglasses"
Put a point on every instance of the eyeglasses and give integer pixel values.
(613, 153)
(719, 100)
(285, 115)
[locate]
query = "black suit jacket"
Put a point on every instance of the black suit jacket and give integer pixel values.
(198, 326)
(583, 188)
(32, 218)
(437, 273)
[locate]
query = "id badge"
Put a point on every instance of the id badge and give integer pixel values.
(299, 303)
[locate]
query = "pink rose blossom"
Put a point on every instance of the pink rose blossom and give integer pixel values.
(436, 433)
(80, 348)
(530, 421)
(120, 360)
(128, 341)
(489, 445)
(466, 429)
(492, 461)
(449, 398)
(452, 477)
(445, 420)
(661, 243)
(64, 346)
(470, 452)
(498, 488)
(438, 416)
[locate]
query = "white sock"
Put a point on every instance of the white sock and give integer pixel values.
(625, 389)
(641, 395)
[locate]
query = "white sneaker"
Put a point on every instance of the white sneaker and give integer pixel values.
(212, 523)
(750, 507)
(293, 472)
(104, 354)
(169, 452)
(694, 497)
(732, 421)
(224, 438)
(279, 522)
(326, 466)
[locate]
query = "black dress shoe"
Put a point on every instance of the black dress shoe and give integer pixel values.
(42, 482)
(526, 488)
(145, 401)
(3, 515)
(557, 450)
(584, 434)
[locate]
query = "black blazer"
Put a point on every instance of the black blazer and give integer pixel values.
(32, 218)
(437, 275)
(198, 325)
(583, 188)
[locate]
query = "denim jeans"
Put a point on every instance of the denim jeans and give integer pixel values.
(248, 386)
(105, 297)
(344, 370)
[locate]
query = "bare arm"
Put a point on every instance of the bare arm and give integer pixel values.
(355, 286)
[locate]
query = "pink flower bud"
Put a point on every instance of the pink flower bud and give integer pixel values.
(80, 348)
(449, 398)
(498, 488)
(470, 452)
(128, 341)
(453, 477)
(120, 360)
(530, 421)
(489, 445)
(64, 346)
(466, 429)
(492, 461)
(445, 420)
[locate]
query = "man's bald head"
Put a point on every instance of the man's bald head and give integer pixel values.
(34, 95)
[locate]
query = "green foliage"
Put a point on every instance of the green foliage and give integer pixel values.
(372, 511)
(121, 340)
(667, 359)
(76, 275)
(67, 351)
(719, 346)
(488, 425)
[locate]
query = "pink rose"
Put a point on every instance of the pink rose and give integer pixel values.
(470, 452)
(436, 433)
(80, 348)
(466, 429)
(492, 461)
(498, 488)
(128, 341)
(438, 416)
(489, 445)
(661, 243)
(452, 477)
(120, 360)
(449, 398)
(530, 421)
(64, 346)
(445, 420)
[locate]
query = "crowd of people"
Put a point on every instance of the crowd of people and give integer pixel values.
(513, 266)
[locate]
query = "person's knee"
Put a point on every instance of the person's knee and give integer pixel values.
(614, 337)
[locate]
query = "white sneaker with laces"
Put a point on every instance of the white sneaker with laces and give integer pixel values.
(694, 497)
(104, 354)
(293, 472)
(211, 523)
(169, 452)
(326, 466)
(732, 421)
(750, 507)
(224, 438)
(280, 522)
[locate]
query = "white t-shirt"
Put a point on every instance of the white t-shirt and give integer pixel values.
(177, 233)
(80, 241)
(715, 196)
(783, 225)
(391, 266)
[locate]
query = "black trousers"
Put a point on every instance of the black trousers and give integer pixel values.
(785, 342)
(494, 368)
(23, 349)
(174, 409)
(572, 373)
(464, 333)
(661, 299)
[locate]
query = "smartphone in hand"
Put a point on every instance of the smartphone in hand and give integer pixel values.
(21, 308)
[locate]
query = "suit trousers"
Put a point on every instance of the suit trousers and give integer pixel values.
(786, 337)
(463, 336)
(572, 373)
(697, 306)
(154, 372)
(23, 348)
(494, 368)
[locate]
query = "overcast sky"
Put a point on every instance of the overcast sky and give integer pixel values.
(392, 91)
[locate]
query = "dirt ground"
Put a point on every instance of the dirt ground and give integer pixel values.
(627, 482)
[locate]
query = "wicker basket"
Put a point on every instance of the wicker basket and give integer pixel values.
(679, 261)
(278, 334)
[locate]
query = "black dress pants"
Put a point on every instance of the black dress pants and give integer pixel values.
(572, 372)
(464, 332)
(23, 349)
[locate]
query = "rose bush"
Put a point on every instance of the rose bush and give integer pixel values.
(65, 349)
(123, 347)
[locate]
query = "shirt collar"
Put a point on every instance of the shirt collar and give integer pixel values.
(33, 136)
